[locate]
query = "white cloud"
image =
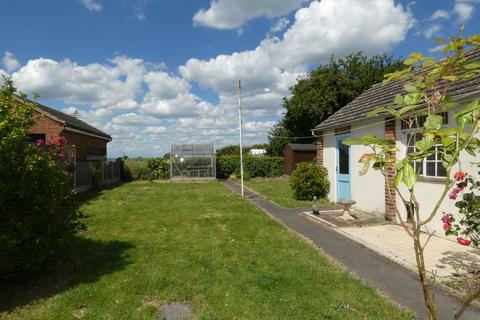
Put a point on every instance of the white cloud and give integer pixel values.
(92, 5)
(432, 31)
(436, 48)
(114, 86)
(232, 14)
(440, 14)
(10, 62)
(280, 25)
(463, 10)
(156, 130)
(323, 28)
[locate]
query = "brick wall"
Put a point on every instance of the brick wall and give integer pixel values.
(47, 126)
(390, 197)
(83, 142)
(320, 149)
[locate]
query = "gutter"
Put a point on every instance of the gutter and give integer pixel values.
(459, 98)
(86, 133)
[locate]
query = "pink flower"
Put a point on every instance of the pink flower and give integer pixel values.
(453, 195)
(446, 219)
(463, 242)
(460, 175)
(447, 226)
(39, 141)
(61, 155)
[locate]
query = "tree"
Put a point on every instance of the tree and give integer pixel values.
(330, 87)
(278, 138)
(426, 82)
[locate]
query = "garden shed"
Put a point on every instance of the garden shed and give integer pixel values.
(294, 153)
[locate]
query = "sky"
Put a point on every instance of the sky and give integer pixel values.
(152, 73)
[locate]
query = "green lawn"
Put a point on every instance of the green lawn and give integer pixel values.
(153, 243)
(278, 190)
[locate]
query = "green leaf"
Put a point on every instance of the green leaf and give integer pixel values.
(369, 139)
(410, 87)
(475, 104)
(425, 144)
(377, 111)
(410, 61)
(398, 100)
(449, 103)
(409, 176)
(366, 166)
(463, 120)
(412, 98)
(398, 177)
(472, 66)
(433, 122)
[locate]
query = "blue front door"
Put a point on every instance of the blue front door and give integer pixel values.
(343, 169)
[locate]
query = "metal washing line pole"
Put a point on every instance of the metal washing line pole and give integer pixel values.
(240, 127)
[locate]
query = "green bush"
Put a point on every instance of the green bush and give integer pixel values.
(255, 166)
(142, 169)
(38, 214)
(307, 181)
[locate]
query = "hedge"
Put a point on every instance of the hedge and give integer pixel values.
(253, 166)
(146, 169)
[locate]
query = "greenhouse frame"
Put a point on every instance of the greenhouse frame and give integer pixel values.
(192, 161)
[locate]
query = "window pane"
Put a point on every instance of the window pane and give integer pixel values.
(431, 157)
(410, 140)
(418, 137)
(441, 172)
(430, 169)
(410, 150)
(343, 158)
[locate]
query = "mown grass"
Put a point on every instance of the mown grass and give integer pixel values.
(148, 244)
(278, 190)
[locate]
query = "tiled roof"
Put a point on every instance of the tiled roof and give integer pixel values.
(72, 121)
(382, 96)
(302, 147)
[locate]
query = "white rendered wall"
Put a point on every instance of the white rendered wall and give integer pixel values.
(428, 190)
(367, 190)
(329, 162)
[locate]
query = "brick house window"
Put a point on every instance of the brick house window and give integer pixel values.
(430, 166)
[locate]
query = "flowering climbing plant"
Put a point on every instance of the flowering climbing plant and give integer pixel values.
(466, 227)
(426, 83)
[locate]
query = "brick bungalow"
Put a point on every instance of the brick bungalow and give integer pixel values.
(369, 191)
(90, 143)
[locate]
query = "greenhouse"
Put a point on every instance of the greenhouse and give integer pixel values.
(192, 161)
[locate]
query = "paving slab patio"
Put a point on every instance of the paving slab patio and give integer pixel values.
(444, 257)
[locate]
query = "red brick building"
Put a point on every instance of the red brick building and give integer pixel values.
(294, 153)
(90, 143)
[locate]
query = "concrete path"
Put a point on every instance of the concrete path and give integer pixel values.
(443, 257)
(388, 277)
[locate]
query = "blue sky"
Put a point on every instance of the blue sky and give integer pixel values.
(156, 72)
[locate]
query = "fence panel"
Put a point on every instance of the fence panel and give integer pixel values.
(82, 175)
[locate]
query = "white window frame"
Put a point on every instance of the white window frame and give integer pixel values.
(424, 161)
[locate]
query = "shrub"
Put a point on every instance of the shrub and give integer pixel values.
(151, 169)
(38, 216)
(308, 181)
(255, 166)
